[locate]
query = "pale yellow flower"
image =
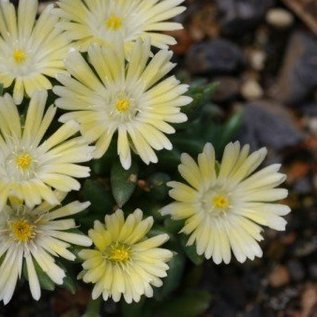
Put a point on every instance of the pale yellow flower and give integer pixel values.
(29, 167)
(225, 207)
(111, 96)
(30, 49)
(103, 21)
(36, 234)
(125, 262)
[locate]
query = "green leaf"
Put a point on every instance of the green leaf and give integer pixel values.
(123, 182)
(101, 200)
(173, 226)
(102, 166)
(169, 160)
(1, 89)
(194, 277)
(158, 188)
(70, 283)
(75, 249)
(150, 208)
(190, 251)
(189, 304)
(174, 277)
(230, 129)
(188, 145)
(45, 282)
(201, 94)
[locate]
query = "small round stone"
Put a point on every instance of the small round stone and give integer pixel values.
(279, 18)
(251, 90)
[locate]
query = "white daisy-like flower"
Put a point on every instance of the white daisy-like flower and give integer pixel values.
(30, 49)
(129, 98)
(125, 262)
(224, 207)
(36, 234)
(31, 168)
(103, 21)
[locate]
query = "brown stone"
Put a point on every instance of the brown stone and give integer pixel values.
(279, 276)
(306, 10)
(228, 87)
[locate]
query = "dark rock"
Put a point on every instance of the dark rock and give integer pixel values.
(228, 88)
(214, 57)
(233, 292)
(254, 311)
(241, 15)
(305, 248)
(296, 270)
(266, 123)
(252, 282)
(302, 186)
(283, 298)
(222, 309)
(313, 271)
(298, 76)
(309, 108)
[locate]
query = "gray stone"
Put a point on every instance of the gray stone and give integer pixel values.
(266, 123)
(241, 15)
(214, 57)
(313, 271)
(298, 76)
(309, 109)
(296, 270)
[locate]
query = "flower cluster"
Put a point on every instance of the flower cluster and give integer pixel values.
(112, 87)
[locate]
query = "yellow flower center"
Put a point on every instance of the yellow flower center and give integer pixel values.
(24, 161)
(220, 202)
(114, 23)
(123, 105)
(19, 56)
(22, 230)
(119, 253)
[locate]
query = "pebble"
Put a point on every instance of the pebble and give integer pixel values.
(309, 109)
(257, 59)
(228, 88)
(313, 271)
(279, 18)
(279, 276)
(239, 16)
(303, 186)
(214, 57)
(296, 270)
(251, 90)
